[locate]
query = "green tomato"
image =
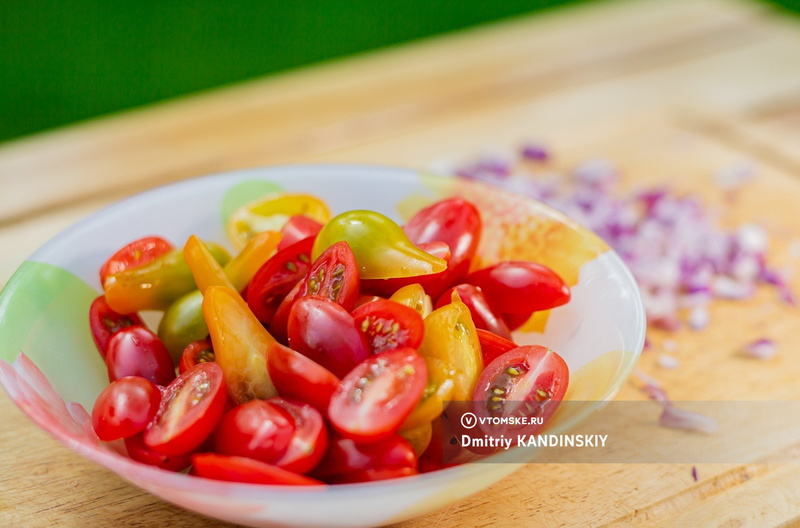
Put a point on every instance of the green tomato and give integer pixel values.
(381, 248)
(183, 323)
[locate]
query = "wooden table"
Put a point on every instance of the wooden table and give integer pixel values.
(671, 91)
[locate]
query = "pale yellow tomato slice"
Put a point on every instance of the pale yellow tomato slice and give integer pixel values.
(271, 213)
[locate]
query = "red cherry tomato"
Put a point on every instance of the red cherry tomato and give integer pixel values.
(434, 281)
(366, 299)
(345, 456)
(257, 429)
(378, 394)
(125, 407)
(190, 409)
(276, 278)
(298, 228)
(455, 222)
(137, 253)
(519, 287)
(309, 441)
(248, 470)
(482, 314)
(136, 351)
(389, 325)
(139, 452)
(493, 346)
(334, 275)
(298, 377)
(529, 380)
(105, 322)
(325, 332)
(197, 352)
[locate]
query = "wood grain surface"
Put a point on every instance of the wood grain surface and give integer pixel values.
(670, 91)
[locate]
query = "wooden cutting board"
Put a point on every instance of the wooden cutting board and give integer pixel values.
(672, 92)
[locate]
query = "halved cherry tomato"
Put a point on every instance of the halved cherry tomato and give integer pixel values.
(482, 314)
(139, 452)
(381, 248)
(432, 281)
(415, 297)
(299, 227)
(136, 253)
(257, 429)
(455, 222)
(529, 380)
(275, 279)
(389, 325)
(453, 357)
(197, 352)
(345, 456)
(334, 274)
(125, 407)
(105, 322)
(309, 441)
(520, 287)
(191, 406)
(325, 332)
(366, 299)
(205, 270)
(493, 346)
(298, 377)
(377, 395)
(242, 469)
(136, 351)
(157, 284)
(271, 213)
(240, 344)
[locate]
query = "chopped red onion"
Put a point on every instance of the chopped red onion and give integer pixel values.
(668, 362)
(677, 418)
(760, 349)
(694, 473)
(535, 152)
(681, 258)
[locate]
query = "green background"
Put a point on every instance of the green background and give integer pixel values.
(64, 61)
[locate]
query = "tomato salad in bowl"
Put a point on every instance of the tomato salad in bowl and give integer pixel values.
(342, 378)
(324, 351)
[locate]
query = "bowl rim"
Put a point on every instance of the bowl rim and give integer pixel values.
(131, 470)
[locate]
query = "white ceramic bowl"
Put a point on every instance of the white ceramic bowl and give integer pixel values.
(44, 307)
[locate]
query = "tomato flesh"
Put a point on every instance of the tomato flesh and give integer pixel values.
(389, 325)
(334, 274)
(105, 322)
(275, 279)
(528, 380)
(197, 352)
(190, 409)
(309, 440)
(378, 394)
